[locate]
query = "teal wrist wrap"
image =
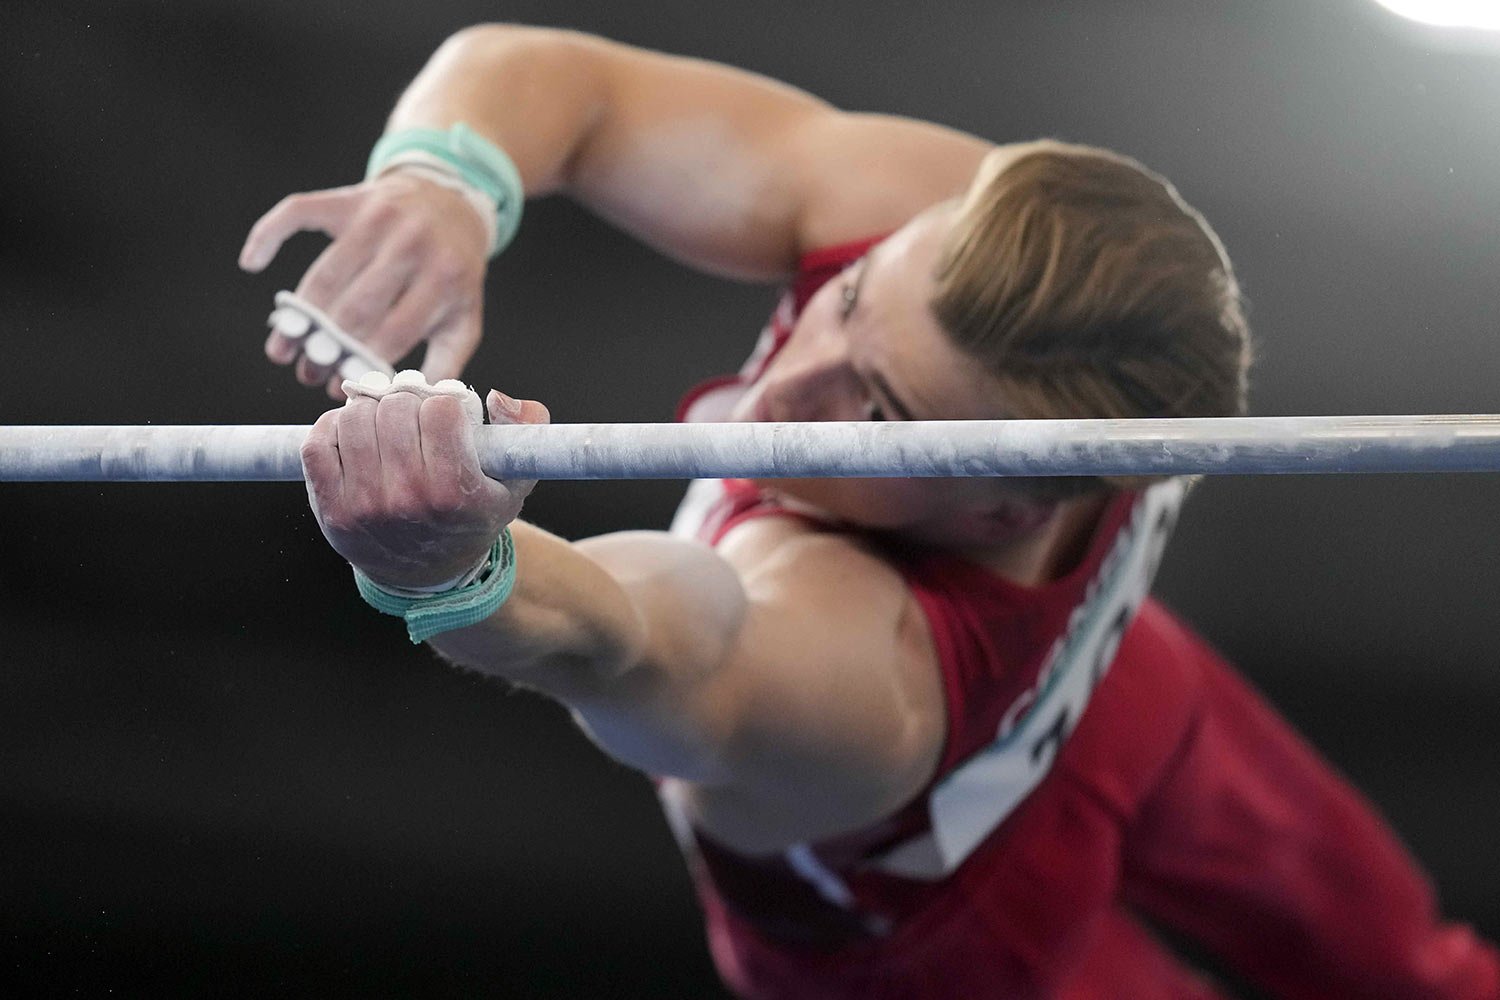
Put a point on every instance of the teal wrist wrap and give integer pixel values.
(480, 162)
(459, 608)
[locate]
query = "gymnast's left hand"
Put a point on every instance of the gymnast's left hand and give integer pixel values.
(397, 488)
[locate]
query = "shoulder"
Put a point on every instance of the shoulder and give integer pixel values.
(829, 596)
(839, 710)
(799, 567)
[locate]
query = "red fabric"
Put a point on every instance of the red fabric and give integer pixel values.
(1179, 797)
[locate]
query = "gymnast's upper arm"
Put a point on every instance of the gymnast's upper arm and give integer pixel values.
(801, 679)
(735, 172)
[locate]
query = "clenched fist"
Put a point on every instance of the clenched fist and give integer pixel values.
(395, 482)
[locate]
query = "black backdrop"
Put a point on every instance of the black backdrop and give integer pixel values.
(219, 770)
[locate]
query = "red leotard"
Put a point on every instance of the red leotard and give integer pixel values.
(1102, 765)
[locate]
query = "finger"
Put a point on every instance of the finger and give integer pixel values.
(317, 368)
(451, 346)
(447, 443)
(359, 451)
(281, 349)
(418, 312)
(533, 412)
(320, 460)
(363, 304)
(336, 269)
(455, 473)
(327, 211)
(505, 410)
(398, 440)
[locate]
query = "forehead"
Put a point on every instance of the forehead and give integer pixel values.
(897, 275)
(900, 339)
(921, 239)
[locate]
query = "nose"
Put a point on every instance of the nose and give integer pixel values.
(812, 379)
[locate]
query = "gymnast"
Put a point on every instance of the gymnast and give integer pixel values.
(917, 738)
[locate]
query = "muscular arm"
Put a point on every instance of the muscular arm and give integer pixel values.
(718, 167)
(785, 675)
(722, 169)
(790, 684)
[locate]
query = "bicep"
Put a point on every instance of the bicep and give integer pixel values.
(736, 173)
(810, 661)
(838, 709)
(823, 710)
(658, 715)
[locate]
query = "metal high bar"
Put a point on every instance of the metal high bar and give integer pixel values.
(1178, 446)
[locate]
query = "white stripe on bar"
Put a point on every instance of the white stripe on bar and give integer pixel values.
(1227, 445)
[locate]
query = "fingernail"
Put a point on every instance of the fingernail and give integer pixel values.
(506, 405)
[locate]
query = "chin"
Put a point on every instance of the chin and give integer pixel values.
(871, 504)
(921, 510)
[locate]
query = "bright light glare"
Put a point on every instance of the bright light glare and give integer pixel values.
(1483, 14)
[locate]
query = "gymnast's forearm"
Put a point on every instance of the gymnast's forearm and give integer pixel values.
(632, 632)
(707, 163)
(534, 92)
(567, 628)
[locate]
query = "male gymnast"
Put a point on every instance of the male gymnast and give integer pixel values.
(919, 738)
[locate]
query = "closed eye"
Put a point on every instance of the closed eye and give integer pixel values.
(886, 401)
(855, 275)
(850, 294)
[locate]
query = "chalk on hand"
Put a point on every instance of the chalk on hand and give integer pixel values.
(354, 367)
(325, 345)
(409, 377)
(375, 385)
(289, 323)
(322, 350)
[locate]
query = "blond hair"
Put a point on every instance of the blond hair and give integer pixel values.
(1088, 288)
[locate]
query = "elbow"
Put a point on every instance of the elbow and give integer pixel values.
(539, 93)
(489, 40)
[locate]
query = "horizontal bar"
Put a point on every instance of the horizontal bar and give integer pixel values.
(1228, 445)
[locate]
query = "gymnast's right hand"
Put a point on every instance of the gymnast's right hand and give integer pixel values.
(395, 483)
(406, 266)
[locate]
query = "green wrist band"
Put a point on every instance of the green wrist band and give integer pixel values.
(478, 161)
(451, 609)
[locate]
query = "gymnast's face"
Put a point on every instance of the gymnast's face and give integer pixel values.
(867, 347)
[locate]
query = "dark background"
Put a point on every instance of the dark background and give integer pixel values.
(220, 771)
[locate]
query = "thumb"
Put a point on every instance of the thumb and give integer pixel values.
(505, 410)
